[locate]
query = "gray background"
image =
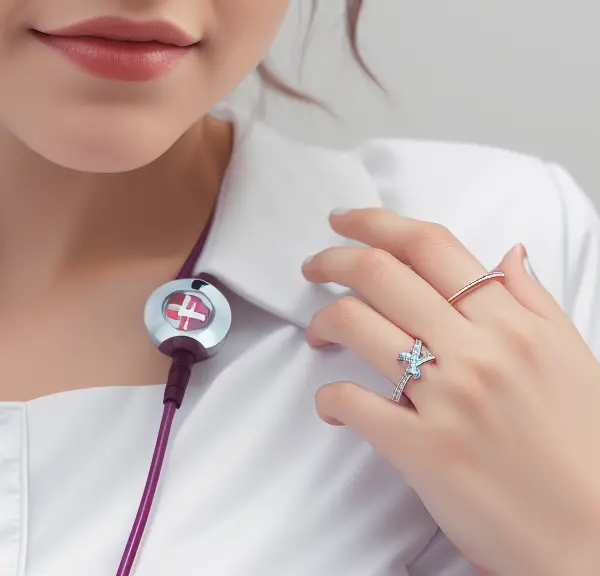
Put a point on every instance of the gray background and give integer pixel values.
(518, 74)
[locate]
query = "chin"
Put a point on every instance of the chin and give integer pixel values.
(106, 144)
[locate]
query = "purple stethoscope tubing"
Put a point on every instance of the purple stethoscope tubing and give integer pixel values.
(141, 519)
(177, 380)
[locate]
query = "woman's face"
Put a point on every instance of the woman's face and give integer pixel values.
(55, 96)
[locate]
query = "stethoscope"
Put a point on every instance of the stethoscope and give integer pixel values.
(187, 319)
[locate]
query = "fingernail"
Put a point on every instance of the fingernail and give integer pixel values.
(527, 263)
(308, 260)
(333, 422)
(339, 211)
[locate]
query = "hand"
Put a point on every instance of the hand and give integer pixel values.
(500, 437)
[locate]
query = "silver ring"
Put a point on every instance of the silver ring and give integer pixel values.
(418, 356)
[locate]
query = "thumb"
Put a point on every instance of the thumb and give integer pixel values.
(525, 287)
(392, 429)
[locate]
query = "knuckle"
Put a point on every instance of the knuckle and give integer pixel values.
(485, 365)
(333, 319)
(480, 368)
(337, 322)
(371, 221)
(374, 261)
(466, 393)
(343, 310)
(428, 236)
(445, 439)
(434, 234)
(519, 334)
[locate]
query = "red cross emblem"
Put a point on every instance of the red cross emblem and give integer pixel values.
(187, 311)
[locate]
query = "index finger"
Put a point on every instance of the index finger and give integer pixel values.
(433, 253)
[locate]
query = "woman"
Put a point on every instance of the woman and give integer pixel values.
(112, 167)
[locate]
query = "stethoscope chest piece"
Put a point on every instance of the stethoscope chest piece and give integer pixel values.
(188, 314)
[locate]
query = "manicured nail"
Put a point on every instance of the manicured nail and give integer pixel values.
(339, 211)
(308, 260)
(333, 422)
(527, 262)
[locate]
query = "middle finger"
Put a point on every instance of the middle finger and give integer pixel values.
(433, 252)
(391, 288)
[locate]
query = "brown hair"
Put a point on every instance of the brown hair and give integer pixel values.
(353, 12)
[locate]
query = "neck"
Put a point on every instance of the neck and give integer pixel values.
(56, 223)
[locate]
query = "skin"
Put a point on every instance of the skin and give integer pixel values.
(500, 436)
(88, 167)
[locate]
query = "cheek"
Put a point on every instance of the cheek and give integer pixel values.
(9, 12)
(87, 124)
(12, 13)
(252, 20)
(242, 33)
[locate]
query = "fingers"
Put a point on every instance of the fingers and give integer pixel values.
(432, 251)
(522, 283)
(354, 325)
(390, 428)
(391, 288)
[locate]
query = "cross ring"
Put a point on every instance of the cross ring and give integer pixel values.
(415, 358)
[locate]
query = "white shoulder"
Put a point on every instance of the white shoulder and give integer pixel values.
(492, 199)
(413, 175)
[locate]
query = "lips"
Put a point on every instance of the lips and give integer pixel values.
(119, 49)
(111, 28)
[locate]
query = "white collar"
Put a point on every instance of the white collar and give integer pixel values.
(272, 213)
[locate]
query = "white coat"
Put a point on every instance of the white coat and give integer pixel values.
(254, 483)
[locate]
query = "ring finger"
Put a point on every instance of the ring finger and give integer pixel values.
(353, 324)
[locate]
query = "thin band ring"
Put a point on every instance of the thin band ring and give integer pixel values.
(500, 276)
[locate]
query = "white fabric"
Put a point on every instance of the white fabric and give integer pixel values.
(254, 483)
